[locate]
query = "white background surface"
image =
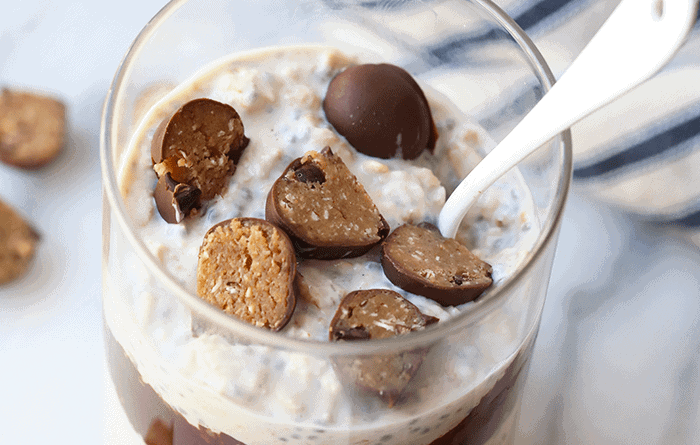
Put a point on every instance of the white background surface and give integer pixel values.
(617, 359)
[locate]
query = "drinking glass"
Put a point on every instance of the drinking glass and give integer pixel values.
(285, 390)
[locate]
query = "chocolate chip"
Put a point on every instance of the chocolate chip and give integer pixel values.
(309, 173)
(175, 200)
(374, 314)
(32, 128)
(359, 333)
(200, 145)
(18, 242)
(327, 213)
(247, 268)
(381, 111)
(421, 261)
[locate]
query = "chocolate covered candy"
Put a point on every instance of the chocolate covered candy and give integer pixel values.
(32, 128)
(199, 146)
(381, 111)
(17, 244)
(324, 209)
(374, 314)
(247, 268)
(418, 259)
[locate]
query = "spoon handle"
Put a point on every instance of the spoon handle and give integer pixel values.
(636, 41)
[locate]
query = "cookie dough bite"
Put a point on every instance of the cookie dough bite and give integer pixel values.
(418, 259)
(199, 146)
(32, 128)
(374, 314)
(381, 111)
(18, 242)
(247, 268)
(324, 209)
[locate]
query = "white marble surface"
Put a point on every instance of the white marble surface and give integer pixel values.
(618, 355)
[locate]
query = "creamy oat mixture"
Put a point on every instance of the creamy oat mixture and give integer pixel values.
(278, 94)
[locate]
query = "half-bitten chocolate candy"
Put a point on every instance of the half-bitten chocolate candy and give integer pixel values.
(247, 268)
(200, 145)
(324, 209)
(374, 314)
(32, 128)
(381, 111)
(17, 244)
(418, 259)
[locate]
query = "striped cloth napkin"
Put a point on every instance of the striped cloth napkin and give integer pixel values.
(642, 152)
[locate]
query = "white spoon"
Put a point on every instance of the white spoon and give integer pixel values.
(638, 38)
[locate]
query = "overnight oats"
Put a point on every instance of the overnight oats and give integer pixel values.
(277, 276)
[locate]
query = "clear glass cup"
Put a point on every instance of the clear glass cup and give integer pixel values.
(281, 389)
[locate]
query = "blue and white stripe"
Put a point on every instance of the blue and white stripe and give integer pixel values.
(640, 153)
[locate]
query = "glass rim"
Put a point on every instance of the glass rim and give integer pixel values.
(318, 347)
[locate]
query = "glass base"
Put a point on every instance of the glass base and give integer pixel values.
(492, 422)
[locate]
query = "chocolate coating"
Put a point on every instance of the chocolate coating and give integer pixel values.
(381, 111)
(175, 200)
(418, 259)
(323, 208)
(373, 314)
